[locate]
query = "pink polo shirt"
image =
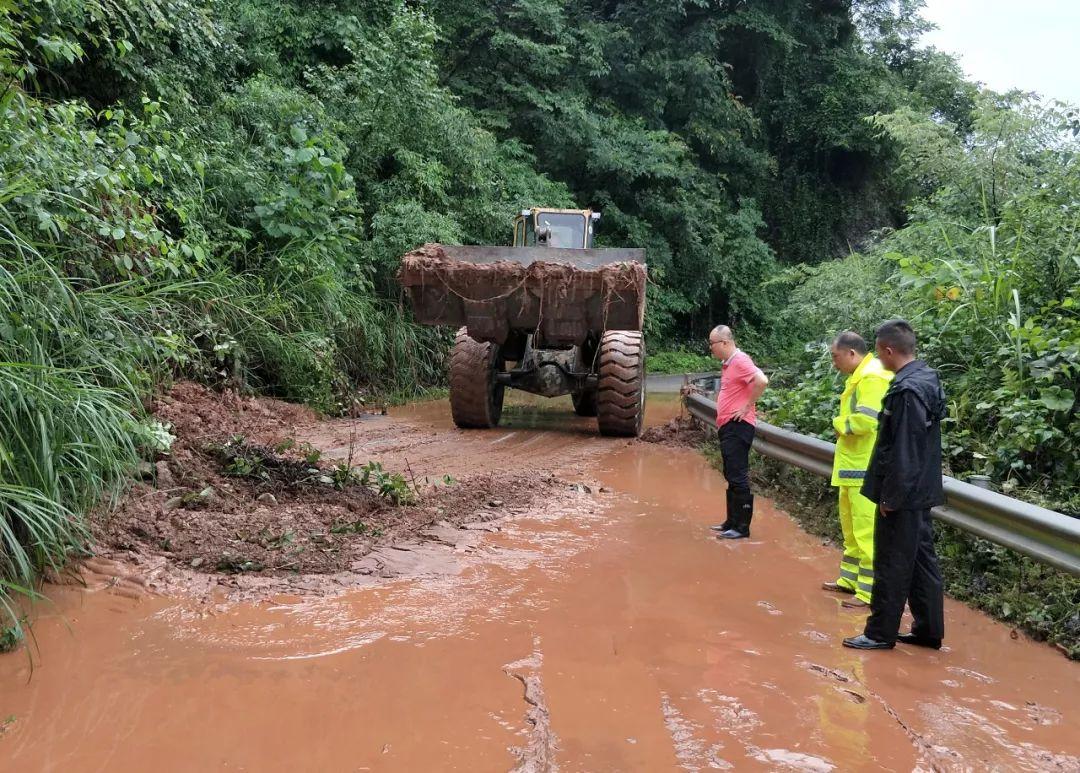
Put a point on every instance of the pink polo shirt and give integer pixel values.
(738, 374)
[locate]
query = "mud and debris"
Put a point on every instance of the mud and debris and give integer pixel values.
(680, 432)
(238, 497)
(442, 287)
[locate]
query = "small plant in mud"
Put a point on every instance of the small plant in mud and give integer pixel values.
(237, 564)
(245, 467)
(154, 437)
(242, 459)
(311, 454)
(246, 460)
(267, 539)
(10, 638)
(349, 527)
(389, 485)
(343, 474)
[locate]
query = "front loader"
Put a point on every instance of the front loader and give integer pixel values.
(550, 315)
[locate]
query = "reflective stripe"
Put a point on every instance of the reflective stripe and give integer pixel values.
(855, 474)
(866, 586)
(848, 574)
(867, 573)
(847, 425)
(867, 411)
(850, 560)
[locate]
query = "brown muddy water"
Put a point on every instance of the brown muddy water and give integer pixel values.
(606, 632)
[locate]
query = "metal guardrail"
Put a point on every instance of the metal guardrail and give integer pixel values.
(1047, 536)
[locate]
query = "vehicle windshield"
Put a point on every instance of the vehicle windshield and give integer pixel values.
(564, 229)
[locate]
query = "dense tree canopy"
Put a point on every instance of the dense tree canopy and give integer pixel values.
(722, 136)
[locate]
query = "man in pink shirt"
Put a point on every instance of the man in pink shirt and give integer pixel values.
(741, 384)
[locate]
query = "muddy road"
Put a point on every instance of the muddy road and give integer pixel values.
(600, 628)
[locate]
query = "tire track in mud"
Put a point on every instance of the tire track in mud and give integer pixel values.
(538, 756)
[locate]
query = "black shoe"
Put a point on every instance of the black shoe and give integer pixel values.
(732, 534)
(864, 642)
(919, 641)
(722, 526)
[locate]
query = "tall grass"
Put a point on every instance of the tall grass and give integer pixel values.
(66, 420)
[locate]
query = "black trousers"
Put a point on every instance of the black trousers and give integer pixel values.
(905, 571)
(736, 439)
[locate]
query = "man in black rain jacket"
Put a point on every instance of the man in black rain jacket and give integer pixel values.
(904, 479)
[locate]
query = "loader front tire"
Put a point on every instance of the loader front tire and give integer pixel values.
(620, 394)
(476, 397)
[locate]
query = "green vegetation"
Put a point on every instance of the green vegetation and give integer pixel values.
(681, 361)
(725, 138)
(988, 271)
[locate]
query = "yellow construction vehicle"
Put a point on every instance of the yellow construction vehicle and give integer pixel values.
(550, 315)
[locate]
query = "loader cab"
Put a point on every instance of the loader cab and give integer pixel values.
(565, 228)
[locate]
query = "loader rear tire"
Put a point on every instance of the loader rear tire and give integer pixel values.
(476, 397)
(620, 394)
(584, 402)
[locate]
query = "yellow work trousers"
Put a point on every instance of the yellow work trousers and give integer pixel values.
(857, 515)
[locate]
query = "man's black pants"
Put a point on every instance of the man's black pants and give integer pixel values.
(905, 570)
(736, 439)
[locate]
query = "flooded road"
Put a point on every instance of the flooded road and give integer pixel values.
(611, 633)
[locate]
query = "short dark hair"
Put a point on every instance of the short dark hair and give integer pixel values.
(849, 339)
(897, 334)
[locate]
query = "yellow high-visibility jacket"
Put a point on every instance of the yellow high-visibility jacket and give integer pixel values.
(857, 424)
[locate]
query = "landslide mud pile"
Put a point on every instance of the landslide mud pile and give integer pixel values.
(680, 431)
(236, 495)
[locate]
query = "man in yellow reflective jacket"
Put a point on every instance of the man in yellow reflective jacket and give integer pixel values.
(856, 432)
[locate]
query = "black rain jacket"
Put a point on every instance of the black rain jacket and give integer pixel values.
(905, 467)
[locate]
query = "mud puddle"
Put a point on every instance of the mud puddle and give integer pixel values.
(606, 632)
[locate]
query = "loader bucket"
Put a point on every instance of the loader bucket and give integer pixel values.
(564, 294)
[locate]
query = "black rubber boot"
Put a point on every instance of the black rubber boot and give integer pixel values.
(727, 513)
(742, 502)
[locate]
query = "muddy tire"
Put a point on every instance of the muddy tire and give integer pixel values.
(476, 399)
(584, 402)
(620, 395)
